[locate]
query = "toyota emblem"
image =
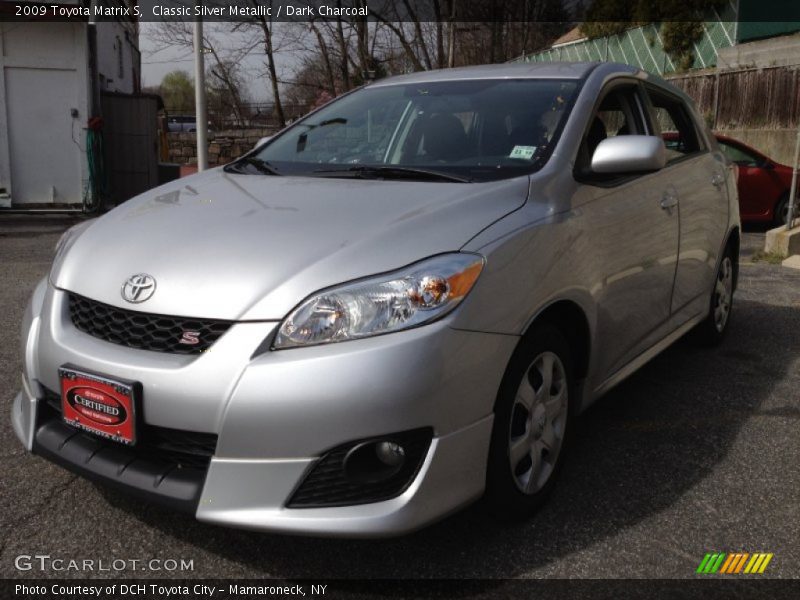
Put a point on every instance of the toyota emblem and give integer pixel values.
(138, 288)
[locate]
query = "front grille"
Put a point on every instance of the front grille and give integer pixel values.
(160, 333)
(188, 449)
(328, 484)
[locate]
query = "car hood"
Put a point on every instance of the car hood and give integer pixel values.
(251, 247)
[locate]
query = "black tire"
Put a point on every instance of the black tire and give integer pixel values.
(711, 332)
(782, 209)
(504, 494)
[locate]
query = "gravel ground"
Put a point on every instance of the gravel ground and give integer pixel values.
(698, 452)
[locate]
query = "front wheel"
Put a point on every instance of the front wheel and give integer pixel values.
(532, 424)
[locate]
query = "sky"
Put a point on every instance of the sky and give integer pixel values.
(157, 62)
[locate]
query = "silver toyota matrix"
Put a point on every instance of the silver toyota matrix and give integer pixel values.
(390, 309)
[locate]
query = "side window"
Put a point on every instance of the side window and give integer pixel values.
(619, 113)
(675, 124)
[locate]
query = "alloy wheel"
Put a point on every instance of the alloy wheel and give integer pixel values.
(723, 293)
(538, 422)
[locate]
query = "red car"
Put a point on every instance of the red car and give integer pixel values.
(763, 183)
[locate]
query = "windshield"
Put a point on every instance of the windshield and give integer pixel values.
(464, 130)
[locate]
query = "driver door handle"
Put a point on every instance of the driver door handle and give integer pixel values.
(669, 200)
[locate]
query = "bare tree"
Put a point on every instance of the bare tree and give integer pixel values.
(228, 44)
(333, 55)
(266, 26)
(325, 55)
(227, 93)
(225, 58)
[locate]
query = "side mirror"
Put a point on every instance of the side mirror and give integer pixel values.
(262, 141)
(629, 154)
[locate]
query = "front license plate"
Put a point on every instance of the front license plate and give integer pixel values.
(99, 405)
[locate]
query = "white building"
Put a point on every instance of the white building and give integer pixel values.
(48, 93)
(118, 59)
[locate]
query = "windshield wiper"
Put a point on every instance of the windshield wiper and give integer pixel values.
(325, 123)
(391, 172)
(261, 165)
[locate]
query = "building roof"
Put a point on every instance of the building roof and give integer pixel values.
(573, 35)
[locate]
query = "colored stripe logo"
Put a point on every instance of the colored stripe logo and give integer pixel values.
(734, 563)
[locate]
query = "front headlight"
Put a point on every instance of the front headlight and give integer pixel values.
(418, 294)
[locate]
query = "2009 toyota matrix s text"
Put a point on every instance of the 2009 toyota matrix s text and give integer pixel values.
(390, 309)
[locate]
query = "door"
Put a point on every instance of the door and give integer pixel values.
(698, 177)
(634, 235)
(45, 140)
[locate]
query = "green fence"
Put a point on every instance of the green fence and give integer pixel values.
(642, 46)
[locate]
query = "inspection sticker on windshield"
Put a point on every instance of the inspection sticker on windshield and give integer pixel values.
(522, 152)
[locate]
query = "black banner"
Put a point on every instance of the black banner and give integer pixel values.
(744, 587)
(462, 11)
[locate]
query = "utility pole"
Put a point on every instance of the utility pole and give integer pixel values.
(200, 111)
(451, 43)
(793, 188)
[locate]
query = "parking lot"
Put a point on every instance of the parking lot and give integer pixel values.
(698, 452)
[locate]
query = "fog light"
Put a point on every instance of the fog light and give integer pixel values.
(374, 461)
(363, 471)
(390, 454)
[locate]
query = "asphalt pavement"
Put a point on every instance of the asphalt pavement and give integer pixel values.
(698, 452)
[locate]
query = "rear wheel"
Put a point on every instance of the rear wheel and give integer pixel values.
(531, 427)
(713, 329)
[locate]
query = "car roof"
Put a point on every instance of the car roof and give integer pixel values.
(539, 70)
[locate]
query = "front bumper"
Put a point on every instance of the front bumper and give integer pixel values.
(275, 414)
(452, 475)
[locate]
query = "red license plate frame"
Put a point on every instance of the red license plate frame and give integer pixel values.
(101, 405)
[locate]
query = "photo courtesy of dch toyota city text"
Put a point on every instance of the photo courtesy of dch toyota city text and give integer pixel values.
(369, 299)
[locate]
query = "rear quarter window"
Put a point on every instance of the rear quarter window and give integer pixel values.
(672, 118)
